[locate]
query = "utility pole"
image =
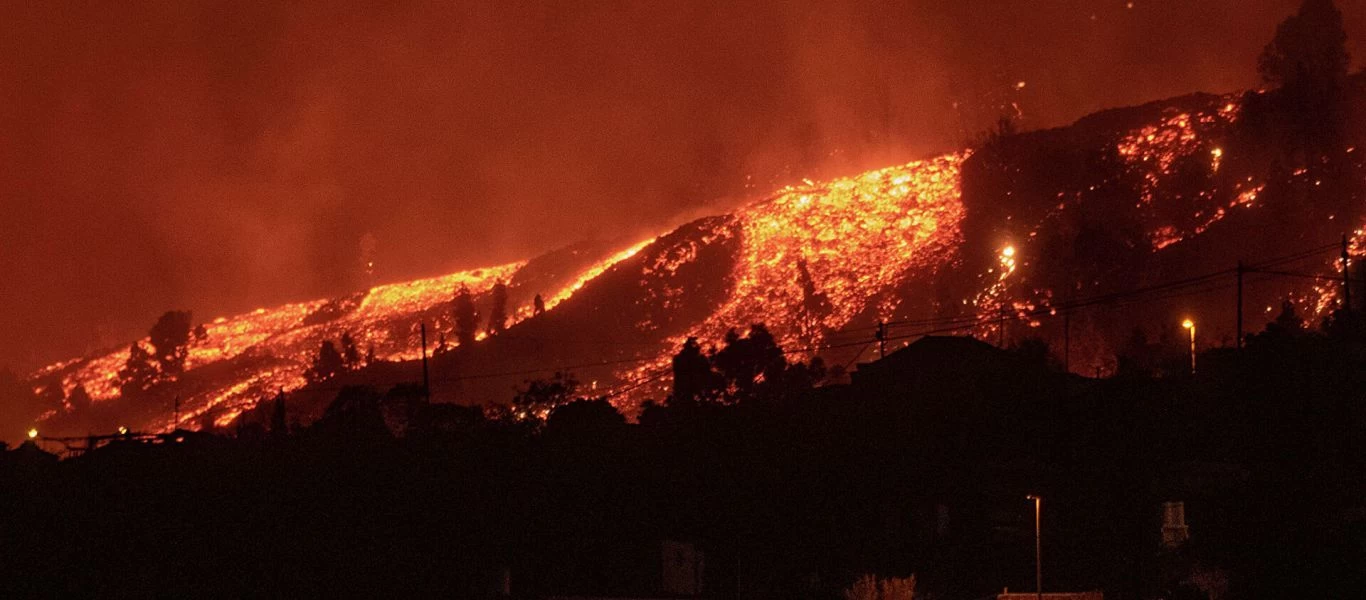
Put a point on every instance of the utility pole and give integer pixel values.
(1346, 280)
(426, 379)
(1190, 324)
(882, 339)
(1038, 550)
(1238, 342)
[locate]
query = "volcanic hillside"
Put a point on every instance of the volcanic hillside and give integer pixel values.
(1004, 240)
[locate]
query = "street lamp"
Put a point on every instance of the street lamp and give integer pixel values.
(1189, 324)
(1038, 550)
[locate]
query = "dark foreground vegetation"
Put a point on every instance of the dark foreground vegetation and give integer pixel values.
(920, 465)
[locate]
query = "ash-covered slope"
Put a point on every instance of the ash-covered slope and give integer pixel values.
(981, 241)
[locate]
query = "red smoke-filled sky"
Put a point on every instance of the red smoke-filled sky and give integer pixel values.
(218, 156)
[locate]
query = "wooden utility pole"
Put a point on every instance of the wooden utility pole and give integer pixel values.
(882, 339)
(1238, 343)
(1038, 549)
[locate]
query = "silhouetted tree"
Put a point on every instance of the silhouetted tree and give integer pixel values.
(279, 426)
(138, 372)
(1309, 50)
(1287, 324)
(584, 416)
(537, 305)
(540, 396)
(327, 364)
(1004, 127)
(79, 399)
(1308, 60)
(1343, 324)
(694, 379)
(351, 358)
(171, 339)
(466, 317)
(370, 355)
(745, 362)
(745, 368)
(498, 314)
(816, 303)
(208, 420)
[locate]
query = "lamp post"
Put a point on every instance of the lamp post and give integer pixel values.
(1038, 550)
(1189, 324)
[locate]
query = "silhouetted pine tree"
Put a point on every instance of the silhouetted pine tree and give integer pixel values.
(466, 317)
(350, 353)
(1308, 62)
(138, 372)
(170, 338)
(1309, 50)
(498, 315)
(279, 427)
(327, 363)
(79, 399)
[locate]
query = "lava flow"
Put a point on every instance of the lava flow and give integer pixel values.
(812, 262)
(815, 256)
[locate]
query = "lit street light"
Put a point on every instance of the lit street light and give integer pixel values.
(1189, 324)
(1038, 550)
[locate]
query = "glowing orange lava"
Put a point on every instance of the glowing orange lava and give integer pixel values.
(276, 346)
(856, 239)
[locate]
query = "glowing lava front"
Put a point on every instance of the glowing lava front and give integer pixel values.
(815, 256)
